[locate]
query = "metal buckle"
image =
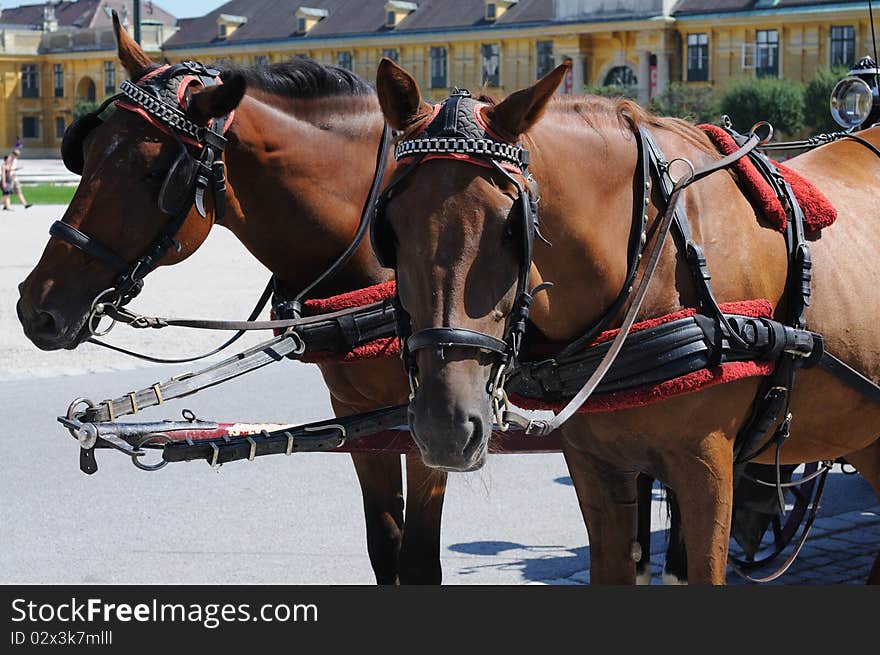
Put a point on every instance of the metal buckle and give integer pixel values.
(289, 450)
(331, 426)
(216, 454)
(253, 452)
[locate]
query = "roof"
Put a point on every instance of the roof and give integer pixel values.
(84, 13)
(723, 6)
(270, 20)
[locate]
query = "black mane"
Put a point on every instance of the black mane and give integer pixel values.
(302, 78)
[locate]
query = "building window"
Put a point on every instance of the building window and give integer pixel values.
(223, 30)
(30, 127)
(343, 60)
(390, 19)
(261, 60)
(59, 127)
(30, 81)
(392, 54)
(491, 11)
(697, 57)
(544, 58)
(438, 68)
(58, 80)
(491, 64)
(301, 25)
(109, 77)
(843, 45)
(767, 53)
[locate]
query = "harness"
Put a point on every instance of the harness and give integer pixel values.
(708, 338)
(158, 97)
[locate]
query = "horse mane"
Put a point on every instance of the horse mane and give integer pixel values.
(302, 78)
(629, 114)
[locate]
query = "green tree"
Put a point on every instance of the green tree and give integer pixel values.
(781, 102)
(817, 95)
(694, 103)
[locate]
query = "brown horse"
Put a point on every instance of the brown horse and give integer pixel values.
(301, 153)
(458, 263)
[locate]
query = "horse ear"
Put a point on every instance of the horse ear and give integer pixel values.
(218, 100)
(399, 95)
(519, 111)
(132, 56)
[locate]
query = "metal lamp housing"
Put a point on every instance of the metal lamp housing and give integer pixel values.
(854, 99)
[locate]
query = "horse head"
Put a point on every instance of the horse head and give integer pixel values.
(134, 208)
(458, 226)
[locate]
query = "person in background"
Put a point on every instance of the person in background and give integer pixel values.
(5, 186)
(11, 184)
(18, 144)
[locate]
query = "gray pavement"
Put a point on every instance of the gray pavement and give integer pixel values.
(277, 519)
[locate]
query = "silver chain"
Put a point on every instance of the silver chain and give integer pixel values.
(165, 113)
(456, 145)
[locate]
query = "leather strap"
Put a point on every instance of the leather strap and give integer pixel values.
(88, 245)
(447, 337)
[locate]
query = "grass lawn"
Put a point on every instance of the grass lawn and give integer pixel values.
(46, 194)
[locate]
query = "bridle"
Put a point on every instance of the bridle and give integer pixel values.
(158, 98)
(457, 132)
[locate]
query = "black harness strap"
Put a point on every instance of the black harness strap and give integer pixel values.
(88, 245)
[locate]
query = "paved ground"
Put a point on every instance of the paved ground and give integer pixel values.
(32, 171)
(290, 520)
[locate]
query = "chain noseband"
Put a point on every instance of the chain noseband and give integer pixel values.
(184, 185)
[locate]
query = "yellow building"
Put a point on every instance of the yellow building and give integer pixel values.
(56, 54)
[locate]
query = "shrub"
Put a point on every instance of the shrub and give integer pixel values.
(694, 103)
(817, 112)
(781, 102)
(83, 107)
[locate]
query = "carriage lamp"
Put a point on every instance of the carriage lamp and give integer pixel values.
(854, 100)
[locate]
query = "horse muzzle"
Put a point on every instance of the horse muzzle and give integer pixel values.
(48, 325)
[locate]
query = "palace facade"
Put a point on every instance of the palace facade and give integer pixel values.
(57, 54)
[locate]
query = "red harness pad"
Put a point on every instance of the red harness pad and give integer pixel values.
(819, 213)
(385, 347)
(690, 383)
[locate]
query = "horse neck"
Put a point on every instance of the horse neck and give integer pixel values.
(589, 221)
(586, 181)
(299, 173)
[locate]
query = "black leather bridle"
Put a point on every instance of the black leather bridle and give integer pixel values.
(455, 131)
(185, 183)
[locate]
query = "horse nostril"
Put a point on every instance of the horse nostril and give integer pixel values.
(44, 323)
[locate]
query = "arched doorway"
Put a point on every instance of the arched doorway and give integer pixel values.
(621, 76)
(86, 90)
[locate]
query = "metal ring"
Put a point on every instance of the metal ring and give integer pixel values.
(188, 415)
(759, 125)
(135, 458)
(96, 311)
(679, 180)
